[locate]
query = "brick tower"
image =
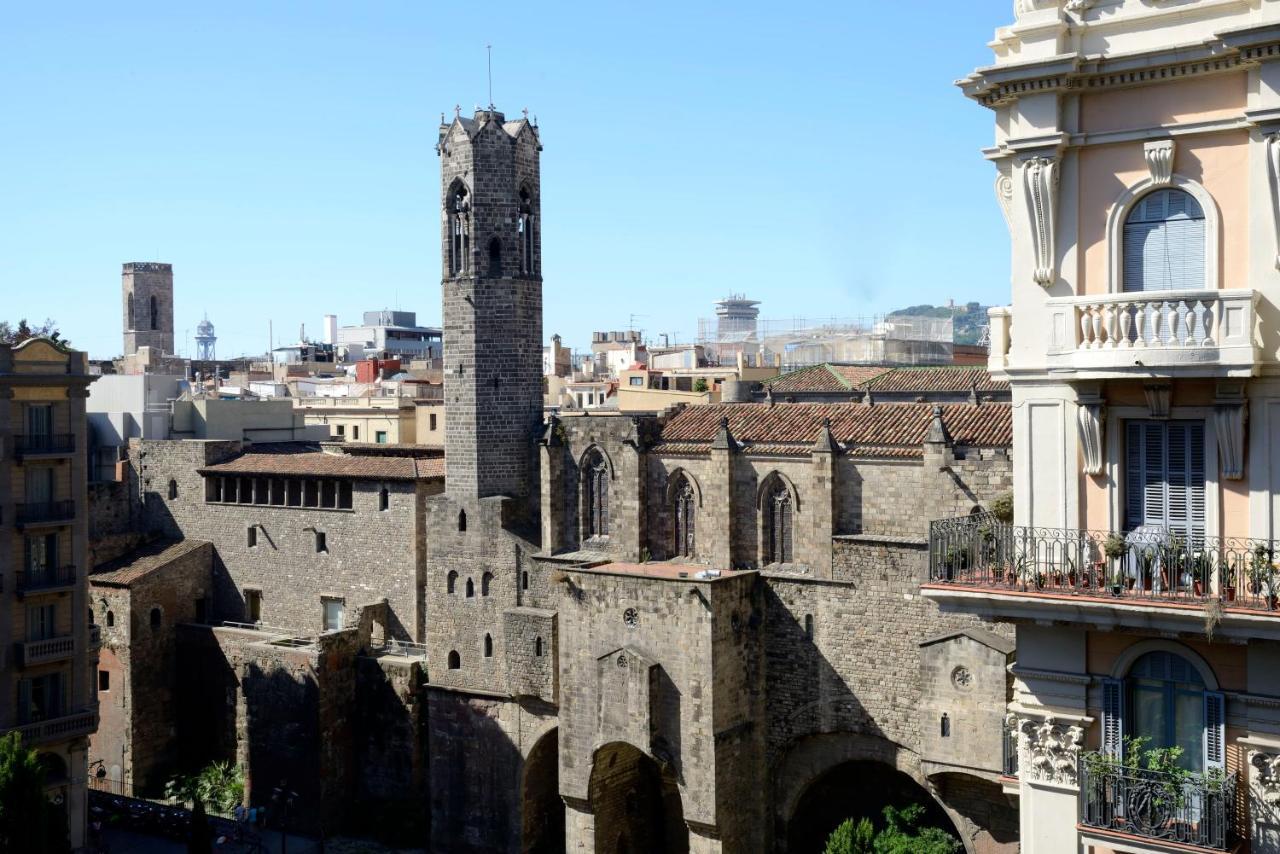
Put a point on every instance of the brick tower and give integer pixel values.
(492, 291)
(147, 289)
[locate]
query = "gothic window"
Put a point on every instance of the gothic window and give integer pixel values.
(525, 228)
(455, 661)
(155, 315)
(537, 646)
(155, 618)
(452, 581)
(1164, 243)
(495, 258)
(459, 206)
(595, 495)
(484, 583)
(173, 489)
(471, 589)
(777, 519)
(129, 301)
(488, 646)
(685, 508)
(462, 520)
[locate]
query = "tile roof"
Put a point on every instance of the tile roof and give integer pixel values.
(150, 558)
(826, 378)
(888, 429)
(305, 459)
(848, 378)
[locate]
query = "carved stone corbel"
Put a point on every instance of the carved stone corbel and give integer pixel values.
(1004, 195)
(1048, 751)
(1040, 181)
(1230, 415)
(1159, 398)
(1090, 418)
(1266, 775)
(1273, 179)
(1159, 157)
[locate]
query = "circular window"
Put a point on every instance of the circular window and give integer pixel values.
(630, 618)
(962, 678)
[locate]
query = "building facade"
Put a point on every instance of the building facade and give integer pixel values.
(48, 666)
(1136, 155)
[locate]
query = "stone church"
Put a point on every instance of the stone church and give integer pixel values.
(696, 631)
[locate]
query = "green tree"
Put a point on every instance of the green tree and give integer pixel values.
(901, 834)
(15, 335)
(700, 385)
(28, 822)
(850, 838)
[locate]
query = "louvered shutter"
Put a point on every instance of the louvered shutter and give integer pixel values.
(1155, 475)
(1133, 485)
(1215, 716)
(1164, 243)
(1113, 717)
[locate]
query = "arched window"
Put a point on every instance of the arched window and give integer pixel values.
(525, 228)
(776, 512)
(155, 314)
(384, 498)
(452, 580)
(462, 520)
(684, 509)
(1168, 705)
(524, 579)
(488, 646)
(155, 618)
(595, 495)
(458, 207)
(1164, 243)
(455, 660)
(471, 589)
(111, 618)
(129, 304)
(495, 258)
(484, 583)
(537, 646)
(173, 489)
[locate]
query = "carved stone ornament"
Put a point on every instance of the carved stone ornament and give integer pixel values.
(1004, 195)
(1090, 418)
(1040, 180)
(1273, 179)
(1079, 6)
(1048, 751)
(1229, 419)
(1267, 775)
(1159, 157)
(1159, 398)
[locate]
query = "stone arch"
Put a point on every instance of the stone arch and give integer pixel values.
(593, 493)
(776, 531)
(636, 803)
(608, 461)
(542, 810)
(682, 506)
(810, 761)
(1125, 660)
(673, 483)
(766, 486)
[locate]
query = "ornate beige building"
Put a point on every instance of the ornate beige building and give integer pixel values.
(1138, 166)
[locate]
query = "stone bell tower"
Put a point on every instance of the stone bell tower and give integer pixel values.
(490, 232)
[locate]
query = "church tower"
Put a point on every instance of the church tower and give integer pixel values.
(147, 291)
(490, 233)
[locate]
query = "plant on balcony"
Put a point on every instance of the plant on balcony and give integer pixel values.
(1114, 548)
(1201, 569)
(1262, 574)
(1157, 764)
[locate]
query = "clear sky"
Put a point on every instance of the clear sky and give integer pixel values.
(814, 156)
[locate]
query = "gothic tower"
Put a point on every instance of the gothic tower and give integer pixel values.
(492, 291)
(147, 289)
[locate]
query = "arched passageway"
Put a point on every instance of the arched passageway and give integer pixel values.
(542, 824)
(853, 790)
(636, 804)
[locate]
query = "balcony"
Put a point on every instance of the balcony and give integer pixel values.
(61, 728)
(44, 445)
(43, 651)
(1191, 333)
(53, 579)
(1140, 579)
(45, 513)
(1183, 808)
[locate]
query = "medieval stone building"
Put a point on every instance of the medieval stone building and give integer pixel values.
(696, 631)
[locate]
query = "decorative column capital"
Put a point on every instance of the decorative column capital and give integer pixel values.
(1048, 749)
(1040, 182)
(1159, 157)
(1266, 775)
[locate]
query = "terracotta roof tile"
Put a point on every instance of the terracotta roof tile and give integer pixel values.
(302, 459)
(941, 378)
(150, 558)
(833, 378)
(888, 429)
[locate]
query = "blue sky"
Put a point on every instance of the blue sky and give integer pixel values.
(815, 156)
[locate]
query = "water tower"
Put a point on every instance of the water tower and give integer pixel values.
(205, 340)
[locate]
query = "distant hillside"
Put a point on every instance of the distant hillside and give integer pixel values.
(968, 319)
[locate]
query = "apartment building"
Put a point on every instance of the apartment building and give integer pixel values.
(48, 665)
(379, 420)
(1137, 153)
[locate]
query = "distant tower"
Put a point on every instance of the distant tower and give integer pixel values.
(331, 329)
(147, 288)
(205, 341)
(735, 315)
(492, 289)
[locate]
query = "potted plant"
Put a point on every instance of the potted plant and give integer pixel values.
(1201, 568)
(1228, 581)
(1114, 548)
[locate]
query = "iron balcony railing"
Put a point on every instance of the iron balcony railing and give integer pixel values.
(33, 444)
(46, 578)
(1146, 564)
(1190, 809)
(46, 511)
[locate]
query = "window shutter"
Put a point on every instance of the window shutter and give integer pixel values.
(1214, 730)
(24, 701)
(1155, 475)
(1133, 475)
(1113, 717)
(1164, 243)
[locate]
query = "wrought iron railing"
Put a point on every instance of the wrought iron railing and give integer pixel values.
(46, 511)
(1009, 759)
(44, 443)
(983, 551)
(1191, 809)
(45, 578)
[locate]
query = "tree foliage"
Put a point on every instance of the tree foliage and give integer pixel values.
(28, 822)
(901, 834)
(220, 785)
(15, 335)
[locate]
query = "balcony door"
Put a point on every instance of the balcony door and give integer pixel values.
(40, 420)
(1164, 477)
(39, 485)
(1164, 243)
(42, 698)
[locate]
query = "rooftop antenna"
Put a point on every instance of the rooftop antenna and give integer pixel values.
(489, 49)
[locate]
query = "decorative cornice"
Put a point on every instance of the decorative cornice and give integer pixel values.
(1048, 751)
(1159, 157)
(1040, 182)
